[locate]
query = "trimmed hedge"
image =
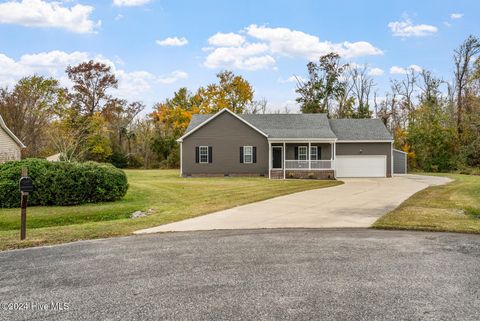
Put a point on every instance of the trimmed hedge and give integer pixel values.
(62, 183)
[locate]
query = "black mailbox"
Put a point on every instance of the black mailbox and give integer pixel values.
(26, 184)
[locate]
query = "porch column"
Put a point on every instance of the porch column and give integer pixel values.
(309, 156)
(181, 159)
(284, 164)
(269, 160)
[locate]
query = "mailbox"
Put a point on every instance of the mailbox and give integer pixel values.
(26, 184)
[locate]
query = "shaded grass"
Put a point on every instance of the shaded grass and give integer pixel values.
(454, 207)
(173, 199)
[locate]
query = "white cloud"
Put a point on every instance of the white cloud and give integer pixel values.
(172, 42)
(294, 43)
(406, 28)
(132, 85)
(376, 72)
(396, 70)
(232, 50)
(226, 39)
(119, 17)
(130, 3)
(250, 56)
(39, 13)
(172, 77)
(291, 79)
(455, 16)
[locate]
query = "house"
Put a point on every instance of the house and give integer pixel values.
(285, 146)
(10, 146)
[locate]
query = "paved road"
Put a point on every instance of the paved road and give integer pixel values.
(302, 274)
(357, 203)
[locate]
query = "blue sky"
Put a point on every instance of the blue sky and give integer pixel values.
(156, 46)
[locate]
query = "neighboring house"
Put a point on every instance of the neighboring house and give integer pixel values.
(10, 145)
(285, 146)
(54, 157)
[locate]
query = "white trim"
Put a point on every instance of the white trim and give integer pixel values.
(364, 141)
(215, 116)
(391, 159)
(269, 160)
(400, 151)
(282, 161)
(284, 156)
(309, 155)
(251, 155)
(200, 155)
(357, 156)
(301, 140)
(11, 134)
(181, 159)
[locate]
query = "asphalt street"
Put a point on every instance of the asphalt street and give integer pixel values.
(278, 274)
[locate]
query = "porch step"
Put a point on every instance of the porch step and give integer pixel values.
(276, 174)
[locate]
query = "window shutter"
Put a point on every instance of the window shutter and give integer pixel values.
(197, 154)
(241, 154)
(254, 154)
(210, 156)
(296, 152)
(319, 153)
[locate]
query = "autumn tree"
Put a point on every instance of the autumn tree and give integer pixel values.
(231, 91)
(30, 107)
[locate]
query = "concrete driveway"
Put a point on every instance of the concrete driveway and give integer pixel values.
(357, 203)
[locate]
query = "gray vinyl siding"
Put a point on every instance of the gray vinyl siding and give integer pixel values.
(367, 149)
(399, 162)
(225, 134)
(9, 149)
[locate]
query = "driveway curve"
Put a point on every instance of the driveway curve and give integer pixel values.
(357, 203)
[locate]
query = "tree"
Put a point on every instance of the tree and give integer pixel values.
(362, 84)
(323, 86)
(463, 57)
(91, 82)
(30, 107)
(232, 92)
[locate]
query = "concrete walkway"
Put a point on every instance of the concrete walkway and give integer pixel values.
(357, 203)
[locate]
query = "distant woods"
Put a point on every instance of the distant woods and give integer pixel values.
(437, 121)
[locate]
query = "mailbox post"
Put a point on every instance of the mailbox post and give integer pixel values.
(26, 187)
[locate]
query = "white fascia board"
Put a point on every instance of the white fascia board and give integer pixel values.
(302, 140)
(364, 141)
(11, 134)
(400, 151)
(215, 116)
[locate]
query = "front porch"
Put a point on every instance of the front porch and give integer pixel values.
(302, 159)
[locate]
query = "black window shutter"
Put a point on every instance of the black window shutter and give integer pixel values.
(296, 152)
(197, 154)
(241, 154)
(319, 153)
(254, 154)
(210, 156)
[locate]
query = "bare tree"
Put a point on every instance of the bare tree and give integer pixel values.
(257, 107)
(463, 57)
(362, 84)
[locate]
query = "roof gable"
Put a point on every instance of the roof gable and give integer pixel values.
(9, 133)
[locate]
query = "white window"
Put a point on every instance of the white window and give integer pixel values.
(203, 154)
(248, 154)
(313, 152)
(302, 152)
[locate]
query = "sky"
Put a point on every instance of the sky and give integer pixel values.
(155, 46)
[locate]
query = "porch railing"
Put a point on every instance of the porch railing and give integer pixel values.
(313, 164)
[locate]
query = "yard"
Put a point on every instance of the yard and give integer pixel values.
(172, 198)
(454, 207)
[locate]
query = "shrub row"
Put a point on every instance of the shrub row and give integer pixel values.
(62, 183)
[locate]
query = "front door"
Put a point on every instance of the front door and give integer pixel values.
(276, 157)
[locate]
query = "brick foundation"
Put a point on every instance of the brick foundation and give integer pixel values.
(303, 174)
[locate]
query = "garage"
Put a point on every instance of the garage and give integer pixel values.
(361, 166)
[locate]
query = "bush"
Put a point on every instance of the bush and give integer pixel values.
(62, 183)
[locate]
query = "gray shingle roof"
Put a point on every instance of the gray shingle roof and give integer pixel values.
(360, 129)
(309, 126)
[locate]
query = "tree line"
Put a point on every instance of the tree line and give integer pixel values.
(436, 121)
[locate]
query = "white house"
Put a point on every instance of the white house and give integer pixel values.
(10, 145)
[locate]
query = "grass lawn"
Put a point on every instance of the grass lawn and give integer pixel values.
(172, 197)
(454, 207)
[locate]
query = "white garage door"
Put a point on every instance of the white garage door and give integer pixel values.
(361, 166)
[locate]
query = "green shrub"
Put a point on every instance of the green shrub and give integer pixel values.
(62, 183)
